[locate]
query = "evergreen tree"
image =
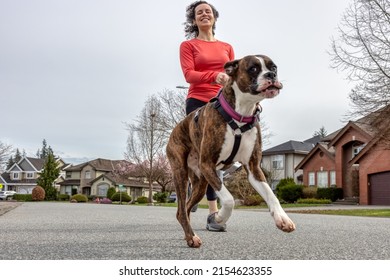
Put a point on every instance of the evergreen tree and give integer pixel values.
(49, 174)
(321, 132)
(44, 151)
(18, 156)
(10, 162)
(14, 158)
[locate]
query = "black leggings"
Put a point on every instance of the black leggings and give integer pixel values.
(191, 105)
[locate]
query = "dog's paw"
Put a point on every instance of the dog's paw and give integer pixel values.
(284, 223)
(194, 242)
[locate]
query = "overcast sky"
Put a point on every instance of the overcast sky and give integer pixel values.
(74, 71)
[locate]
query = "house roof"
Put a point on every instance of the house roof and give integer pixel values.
(98, 164)
(361, 127)
(295, 147)
(70, 182)
(37, 163)
(118, 179)
(320, 147)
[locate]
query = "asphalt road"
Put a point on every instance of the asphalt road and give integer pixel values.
(70, 231)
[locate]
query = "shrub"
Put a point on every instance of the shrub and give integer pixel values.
(110, 192)
(285, 182)
(290, 193)
(22, 197)
(117, 197)
(282, 183)
(331, 193)
(309, 192)
(63, 197)
(160, 197)
(142, 200)
(314, 201)
(38, 193)
(253, 200)
(79, 198)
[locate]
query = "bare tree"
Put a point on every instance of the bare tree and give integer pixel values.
(172, 105)
(163, 173)
(5, 152)
(146, 140)
(363, 52)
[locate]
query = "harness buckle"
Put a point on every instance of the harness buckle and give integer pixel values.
(237, 131)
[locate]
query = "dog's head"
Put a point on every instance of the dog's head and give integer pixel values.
(254, 74)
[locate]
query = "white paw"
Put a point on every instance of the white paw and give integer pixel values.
(284, 223)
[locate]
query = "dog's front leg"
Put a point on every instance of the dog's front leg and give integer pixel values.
(282, 221)
(215, 179)
(227, 205)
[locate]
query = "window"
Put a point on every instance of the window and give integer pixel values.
(29, 175)
(356, 149)
(333, 178)
(277, 162)
(68, 175)
(322, 179)
(15, 175)
(311, 179)
(88, 174)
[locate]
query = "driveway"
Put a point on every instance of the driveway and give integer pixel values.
(61, 231)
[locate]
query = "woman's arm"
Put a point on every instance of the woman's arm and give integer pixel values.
(188, 67)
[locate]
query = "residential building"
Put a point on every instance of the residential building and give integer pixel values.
(22, 176)
(354, 159)
(95, 177)
(280, 161)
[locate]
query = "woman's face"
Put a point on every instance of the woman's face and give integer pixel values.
(204, 17)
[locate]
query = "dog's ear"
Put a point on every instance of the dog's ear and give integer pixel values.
(231, 67)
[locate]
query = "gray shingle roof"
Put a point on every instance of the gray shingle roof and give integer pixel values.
(296, 147)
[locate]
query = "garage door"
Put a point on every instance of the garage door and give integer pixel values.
(380, 188)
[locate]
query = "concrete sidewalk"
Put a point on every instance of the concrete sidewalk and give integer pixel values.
(6, 206)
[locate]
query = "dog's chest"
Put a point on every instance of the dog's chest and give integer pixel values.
(247, 144)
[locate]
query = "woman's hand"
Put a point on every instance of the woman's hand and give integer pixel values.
(222, 78)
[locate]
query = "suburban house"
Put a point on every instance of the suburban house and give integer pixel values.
(95, 177)
(354, 159)
(280, 161)
(22, 176)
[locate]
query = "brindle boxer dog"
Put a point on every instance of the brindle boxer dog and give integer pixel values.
(220, 133)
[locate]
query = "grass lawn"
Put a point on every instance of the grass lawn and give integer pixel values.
(349, 212)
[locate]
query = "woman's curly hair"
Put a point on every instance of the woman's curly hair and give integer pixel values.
(190, 29)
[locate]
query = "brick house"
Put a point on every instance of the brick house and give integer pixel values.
(354, 159)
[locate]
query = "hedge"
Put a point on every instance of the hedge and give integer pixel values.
(330, 193)
(290, 193)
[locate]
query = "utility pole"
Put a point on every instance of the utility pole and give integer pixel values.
(150, 200)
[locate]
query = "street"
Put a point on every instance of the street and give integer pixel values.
(75, 231)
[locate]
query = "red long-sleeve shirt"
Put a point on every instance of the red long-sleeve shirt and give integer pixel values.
(201, 61)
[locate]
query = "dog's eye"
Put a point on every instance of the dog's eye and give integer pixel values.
(274, 69)
(254, 69)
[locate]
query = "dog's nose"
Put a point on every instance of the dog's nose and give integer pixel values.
(270, 75)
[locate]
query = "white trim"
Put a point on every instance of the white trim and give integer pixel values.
(14, 165)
